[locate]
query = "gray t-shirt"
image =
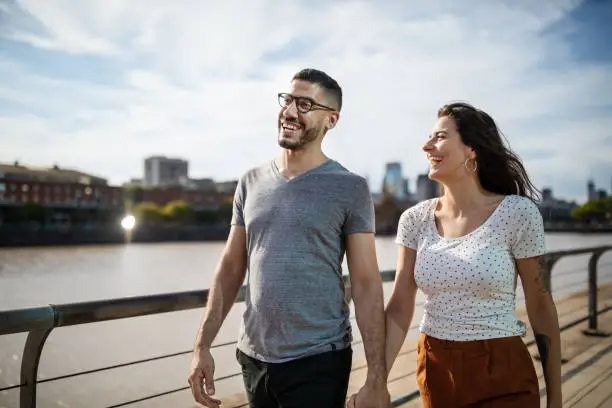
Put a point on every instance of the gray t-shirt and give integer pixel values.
(296, 239)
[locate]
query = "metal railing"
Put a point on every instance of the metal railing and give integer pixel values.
(40, 321)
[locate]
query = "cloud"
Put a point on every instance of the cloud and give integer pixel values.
(46, 25)
(199, 80)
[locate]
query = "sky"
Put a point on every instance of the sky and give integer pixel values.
(98, 85)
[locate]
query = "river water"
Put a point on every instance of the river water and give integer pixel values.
(41, 276)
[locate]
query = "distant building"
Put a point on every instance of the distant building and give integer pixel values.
(393, 181)
(406, 187)
(17, 171)
(198, 199)
(134, 182)
(553, 209)
(591, 193)
(203, 184)
(56, 187)
(227, 187)
(165, 171)
(594, 193)
(426, 188)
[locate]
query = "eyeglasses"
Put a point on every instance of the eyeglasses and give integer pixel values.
(302, 103)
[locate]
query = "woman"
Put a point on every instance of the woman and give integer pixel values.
(464, 250)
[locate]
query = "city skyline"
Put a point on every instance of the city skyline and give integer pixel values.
(98, 89)
(172, 172)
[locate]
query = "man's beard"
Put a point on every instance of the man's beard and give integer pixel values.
(307, 137)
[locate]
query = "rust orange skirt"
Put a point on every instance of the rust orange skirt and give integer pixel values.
(496, 373)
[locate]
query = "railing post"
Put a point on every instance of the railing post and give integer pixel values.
(593, 330)
(548, 261)
(29, 363)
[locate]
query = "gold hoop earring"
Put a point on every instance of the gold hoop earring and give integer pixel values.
(466, 165)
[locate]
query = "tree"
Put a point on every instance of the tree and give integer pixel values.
(179, 211)
(148, 213)
(594, 210)
(132, 196)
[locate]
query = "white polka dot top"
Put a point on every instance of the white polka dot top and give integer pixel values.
(469, 281)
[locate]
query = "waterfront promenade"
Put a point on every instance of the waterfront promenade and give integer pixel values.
(123, 350)
(587, 368)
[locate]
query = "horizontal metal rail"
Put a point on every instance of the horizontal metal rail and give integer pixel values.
(38, 322)
(230, 343)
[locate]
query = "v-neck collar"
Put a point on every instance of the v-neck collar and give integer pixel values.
(280, 176)
(483, 225)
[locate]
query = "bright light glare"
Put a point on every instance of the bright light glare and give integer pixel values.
(128, 222)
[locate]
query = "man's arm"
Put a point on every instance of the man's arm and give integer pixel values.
(228, 278)
(400, 308)
(367, 294)
(545, 323)
(227, 281)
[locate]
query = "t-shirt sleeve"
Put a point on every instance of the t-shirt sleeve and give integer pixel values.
(360, 215)
(238, 204)
(529, 239)
(408, 229)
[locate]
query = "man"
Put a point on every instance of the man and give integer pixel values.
(293, 220)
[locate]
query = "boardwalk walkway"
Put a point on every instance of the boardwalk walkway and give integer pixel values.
(587, 372)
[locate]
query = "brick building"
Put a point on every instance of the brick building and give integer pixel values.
(198, 198)
(56, 187)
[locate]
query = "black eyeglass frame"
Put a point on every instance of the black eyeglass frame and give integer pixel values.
(282, 98)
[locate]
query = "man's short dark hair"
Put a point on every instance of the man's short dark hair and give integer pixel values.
(320, 78)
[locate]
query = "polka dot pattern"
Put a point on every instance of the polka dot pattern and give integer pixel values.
(469, 281)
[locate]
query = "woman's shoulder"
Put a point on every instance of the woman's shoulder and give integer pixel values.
(522, 207)
(419, 211)
(412, 222)
(521, 202)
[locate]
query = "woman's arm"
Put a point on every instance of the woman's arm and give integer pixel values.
(400, 308)
(544, 321)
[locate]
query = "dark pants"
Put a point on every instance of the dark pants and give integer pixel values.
(316, 381)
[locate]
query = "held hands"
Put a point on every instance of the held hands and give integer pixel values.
(370, 396)
(201, 373)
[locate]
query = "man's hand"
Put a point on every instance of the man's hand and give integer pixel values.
(201, 373)
(229, 275)
(370, 396)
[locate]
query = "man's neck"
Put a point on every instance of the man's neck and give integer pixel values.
(292, 163)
